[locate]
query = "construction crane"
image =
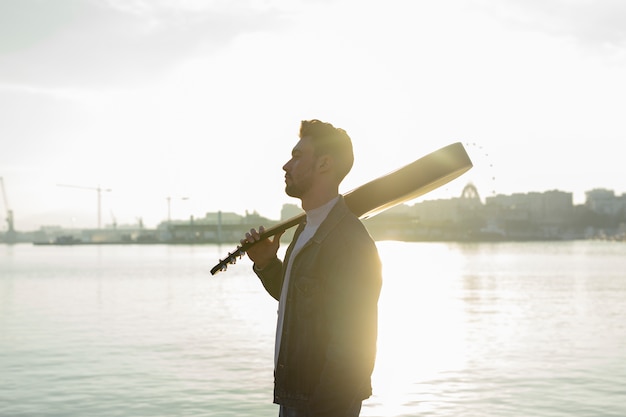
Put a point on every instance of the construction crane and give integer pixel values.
(99, 190)
(11, 235)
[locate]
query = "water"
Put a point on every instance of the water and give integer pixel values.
(486, 330)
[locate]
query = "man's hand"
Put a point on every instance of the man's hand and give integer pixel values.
(263, 252)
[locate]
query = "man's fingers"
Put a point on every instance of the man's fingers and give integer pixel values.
(252, 236)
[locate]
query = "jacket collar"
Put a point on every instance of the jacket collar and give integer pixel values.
(339, 210)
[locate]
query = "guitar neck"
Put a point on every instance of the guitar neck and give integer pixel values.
(241, 250)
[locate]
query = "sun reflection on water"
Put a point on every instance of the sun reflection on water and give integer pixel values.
(421, 326)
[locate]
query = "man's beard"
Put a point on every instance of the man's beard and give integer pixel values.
(298, 190)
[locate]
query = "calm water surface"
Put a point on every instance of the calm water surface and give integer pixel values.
(494, 330)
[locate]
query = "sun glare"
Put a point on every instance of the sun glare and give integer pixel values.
(421, 325)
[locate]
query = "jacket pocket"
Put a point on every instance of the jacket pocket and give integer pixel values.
(307, 294)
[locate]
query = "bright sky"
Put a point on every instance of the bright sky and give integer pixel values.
(203, 99)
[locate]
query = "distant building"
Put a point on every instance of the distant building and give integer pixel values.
(290, 210)
(451, 210)
(544, 215)
(548, 207)
(605, 202)
(220, 217)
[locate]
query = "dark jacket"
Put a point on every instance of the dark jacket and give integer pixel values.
(329, 334)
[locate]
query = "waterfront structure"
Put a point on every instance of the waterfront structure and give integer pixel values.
(519, 216)
(605, 202)
(290, 210)
(549, 215)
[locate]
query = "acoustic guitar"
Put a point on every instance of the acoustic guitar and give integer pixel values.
(404, 184)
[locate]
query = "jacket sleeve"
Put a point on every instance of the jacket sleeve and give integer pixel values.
(272, 277)
(352, 290)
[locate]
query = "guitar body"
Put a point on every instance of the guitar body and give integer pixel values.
(404, 184)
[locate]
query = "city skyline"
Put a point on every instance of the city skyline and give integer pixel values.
(187, 107)
(90, 220)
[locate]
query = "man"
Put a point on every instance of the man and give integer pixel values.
(327, 286)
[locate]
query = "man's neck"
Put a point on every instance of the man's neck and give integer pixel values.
(314, 201)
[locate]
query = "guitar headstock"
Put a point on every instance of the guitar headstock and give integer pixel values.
(231, 259)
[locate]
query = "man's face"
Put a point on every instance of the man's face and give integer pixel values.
(300, 169)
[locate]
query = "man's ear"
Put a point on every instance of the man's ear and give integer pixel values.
(324, 162)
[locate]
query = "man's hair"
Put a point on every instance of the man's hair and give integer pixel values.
(330, 140)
